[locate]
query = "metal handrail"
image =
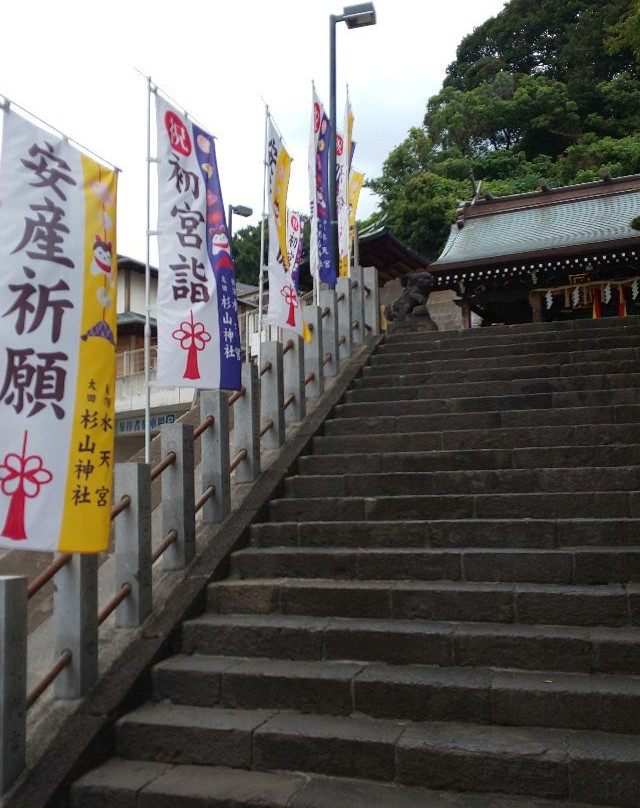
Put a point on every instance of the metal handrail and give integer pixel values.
(63, 661)
(238, 459)
(122, 594)
(47, 574)
(206, 496)
(236, 396)
(168, 540)
(208, 422)
(156, 471)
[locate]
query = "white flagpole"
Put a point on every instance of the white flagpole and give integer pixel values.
(147, 295)
(264, 217)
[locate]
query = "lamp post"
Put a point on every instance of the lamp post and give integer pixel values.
(358, 16)
(240, 210)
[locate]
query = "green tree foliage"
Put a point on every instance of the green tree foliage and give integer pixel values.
(545, 90)
(245, 247)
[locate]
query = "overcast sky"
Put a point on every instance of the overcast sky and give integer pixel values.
(73, 64)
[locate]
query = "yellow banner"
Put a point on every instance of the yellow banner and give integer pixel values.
(280, 189)
(355, 185)
(86, 514)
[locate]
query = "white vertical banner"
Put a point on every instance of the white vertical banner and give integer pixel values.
(284, 305)
(57, 342)
(198, 334)
(343, 157)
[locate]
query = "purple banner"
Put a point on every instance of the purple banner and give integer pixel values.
(219, 251)
(328, 270)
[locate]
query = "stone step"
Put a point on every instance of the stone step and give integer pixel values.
(144, 784)
(536, 373)
(476, 481)
(570, 565)
(499, 533)
(615, 605)
(541, 762)
(612, 383)
(580, 457)
(511, 437)
(437, 363)
(564, 505)
(578, 649)
(487, 420)
(487, 337)
(500, 402)
(521, 331)
(601, 702)
(540, 349)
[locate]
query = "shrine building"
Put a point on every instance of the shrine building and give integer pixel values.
(551, 254)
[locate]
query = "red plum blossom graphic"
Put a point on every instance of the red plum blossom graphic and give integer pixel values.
(21, 478)
(291, 299)
(192, 337)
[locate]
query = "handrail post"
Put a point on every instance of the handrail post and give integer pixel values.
(132, 532)
(313, 351)
(343, 289)
(75, 620)
(293, 370)
(246, 418)
(271, 395)
(371, 299)
(13, 677)
(329, 331)
(178, 495)
(215, 455)
(357, 304)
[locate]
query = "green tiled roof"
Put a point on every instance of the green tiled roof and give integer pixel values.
(509, 228)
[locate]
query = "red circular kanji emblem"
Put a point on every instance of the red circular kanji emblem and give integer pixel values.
(178, 133)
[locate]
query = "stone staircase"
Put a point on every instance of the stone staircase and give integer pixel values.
(442, 610)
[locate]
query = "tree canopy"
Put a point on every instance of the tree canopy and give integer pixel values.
(545, 90)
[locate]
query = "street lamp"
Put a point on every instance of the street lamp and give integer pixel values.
(358, 16)
(240, 210)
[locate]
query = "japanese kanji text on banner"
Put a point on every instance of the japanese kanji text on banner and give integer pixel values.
(321, 259)
(284, 305)
(198, 334)
(57, 332)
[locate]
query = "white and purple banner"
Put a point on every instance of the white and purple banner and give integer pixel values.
(198, 334)
(295, 232)
(321, 254)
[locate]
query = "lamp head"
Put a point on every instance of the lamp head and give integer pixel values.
(241, 210)
(359, 16)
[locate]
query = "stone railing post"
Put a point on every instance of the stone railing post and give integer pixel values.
(313, 351)
(371, 301)
(132, 531)
(357, 304)
(75, 622)
(329, 331)
(246, 430)
(343, 297)
(271, 395)
(178, 495)
(214, 461)
(13, 677)
(293, 370)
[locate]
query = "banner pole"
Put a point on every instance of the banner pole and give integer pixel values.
(147, 294)
(264, 216)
